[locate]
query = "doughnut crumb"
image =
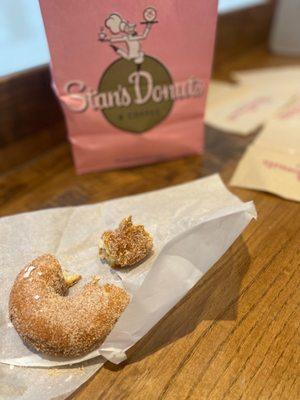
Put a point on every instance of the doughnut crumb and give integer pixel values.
(71, 280)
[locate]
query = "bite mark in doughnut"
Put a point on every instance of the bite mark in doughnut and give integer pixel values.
(60, 325)
(126, 246)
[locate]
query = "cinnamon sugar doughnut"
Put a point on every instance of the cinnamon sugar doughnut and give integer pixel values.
(60, 325)
(126, 246)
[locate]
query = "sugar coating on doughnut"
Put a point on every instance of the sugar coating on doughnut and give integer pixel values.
(60, 325)
(125, 246)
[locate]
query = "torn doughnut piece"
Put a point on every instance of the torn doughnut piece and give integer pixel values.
(125, 246)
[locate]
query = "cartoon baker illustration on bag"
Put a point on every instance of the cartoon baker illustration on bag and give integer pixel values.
(125, 32)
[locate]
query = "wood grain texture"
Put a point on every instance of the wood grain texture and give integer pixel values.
(236, 334)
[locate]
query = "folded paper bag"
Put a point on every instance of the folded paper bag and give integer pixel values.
(280, 76)
(246, 109)
(218, 92)
(272, 162)
(282, 130)
(270, 170)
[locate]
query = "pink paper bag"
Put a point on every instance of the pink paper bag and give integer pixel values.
(132, 77)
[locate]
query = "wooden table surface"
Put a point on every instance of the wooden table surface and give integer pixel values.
(235, 335)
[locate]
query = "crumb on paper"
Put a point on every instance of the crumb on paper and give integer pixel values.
(11, 366)
(62, 371)
(54, 371)
(9, 325)
(96, 279)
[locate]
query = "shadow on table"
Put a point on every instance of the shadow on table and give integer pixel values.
(214, 298)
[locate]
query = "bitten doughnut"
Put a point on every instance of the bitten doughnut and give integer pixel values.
(125, 246)
(60, 325)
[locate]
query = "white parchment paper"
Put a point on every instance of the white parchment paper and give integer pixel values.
(192, 225)
(20, 383)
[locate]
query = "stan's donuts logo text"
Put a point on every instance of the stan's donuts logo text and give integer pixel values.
(136, 92)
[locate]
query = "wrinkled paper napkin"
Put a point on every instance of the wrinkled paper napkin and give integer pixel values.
(272, 162)
(192, 225)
